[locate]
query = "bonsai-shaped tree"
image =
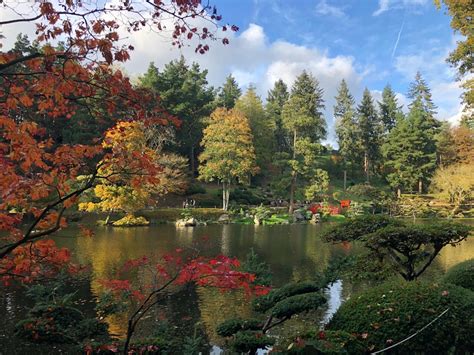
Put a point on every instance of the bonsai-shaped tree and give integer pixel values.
(409, 249)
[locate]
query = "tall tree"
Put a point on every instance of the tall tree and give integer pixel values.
(228, 93)
(228, 154)
(463, 138)
(410, 150)
(303, 119)
(184, 92)
(276, 99)
(370, 132)
(390, 111)
(347, 130)
(262, 127)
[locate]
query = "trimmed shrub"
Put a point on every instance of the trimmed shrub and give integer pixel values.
(297, 304)
(249, 342)
(392, 312)
(462, 275)
(232, 326)
(131, 221)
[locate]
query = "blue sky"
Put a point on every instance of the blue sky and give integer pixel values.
(369, 43)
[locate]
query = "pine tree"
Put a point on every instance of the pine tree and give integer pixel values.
(347, 131)
(390, 111)
(228, 93)
(185, 93)
(276, 99)
(410, 150)
(262, 127)
(303, 119)
(370, 132)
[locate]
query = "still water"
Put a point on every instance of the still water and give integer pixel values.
(293, 252)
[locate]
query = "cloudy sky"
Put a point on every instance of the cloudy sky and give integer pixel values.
(367, 42)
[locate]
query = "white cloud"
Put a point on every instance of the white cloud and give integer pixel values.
(323, 8)
(386, 5)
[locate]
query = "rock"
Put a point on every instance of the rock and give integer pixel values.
(224, 218)
(257, 221)
(190, 222)
(316, 218)
(298, 216)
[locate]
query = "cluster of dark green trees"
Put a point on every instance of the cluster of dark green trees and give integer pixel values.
(385, 141)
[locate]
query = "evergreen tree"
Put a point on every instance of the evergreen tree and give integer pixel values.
(262, 127)
(410, 150)
(184, 92)
(303, 119)
(228, 93)
(390, 111)
(370, 132)
(347, 131)
(276, 99)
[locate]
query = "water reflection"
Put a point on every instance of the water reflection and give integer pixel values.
(293, 252)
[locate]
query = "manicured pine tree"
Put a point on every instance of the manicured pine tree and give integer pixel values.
(347, 131)
(390, 111)
(304, 121)
(370, 133)
(185, 93)
(262, 127)
(276, 99)
(228, 93)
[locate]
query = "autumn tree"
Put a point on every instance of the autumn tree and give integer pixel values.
(228, 93)
(261, 126)
(304, 121)
(185, 93)
(228, 153)
(57, 81)
(462, 12)
(463, 138)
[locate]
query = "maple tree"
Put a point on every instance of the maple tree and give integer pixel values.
(171, 272)
(66, 74)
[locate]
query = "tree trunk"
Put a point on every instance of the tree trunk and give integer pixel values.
(366, 166)
(192, 162)
(293, 178)
(420, 186)
(345, 179)
(399, 193)
(225, 195)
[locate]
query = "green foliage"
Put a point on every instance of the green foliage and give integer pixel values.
(228, 93)
(232, 326)
(195, 189)
(264, 303)
(292, 305)
(131, 221)
(392, 312)
(276, 99)
(390, 111)
(315, 341)
(260, 269)
(461, 274)
(245, 196)
(356, 228)
(248, 342)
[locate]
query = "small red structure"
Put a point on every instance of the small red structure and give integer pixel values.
(345, 203)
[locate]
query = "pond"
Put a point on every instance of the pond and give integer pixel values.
(293, 252)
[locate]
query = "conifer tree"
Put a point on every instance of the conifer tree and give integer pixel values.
(185, 93)
(303, 119)
(390, 111)
(261, 126)
(228, 93)
(370, 133)
(276, 99)
(347, 131)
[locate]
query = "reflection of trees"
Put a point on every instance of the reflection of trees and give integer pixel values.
(216, 307)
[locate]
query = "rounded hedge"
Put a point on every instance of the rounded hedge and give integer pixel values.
(462, 275)
(389, 313)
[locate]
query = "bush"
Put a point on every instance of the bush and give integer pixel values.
(389, 313)
(232, 326)
(244, 196)
(461, 275)
(249, 342)
(195, 189)
(131, 221)
(298, 304)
